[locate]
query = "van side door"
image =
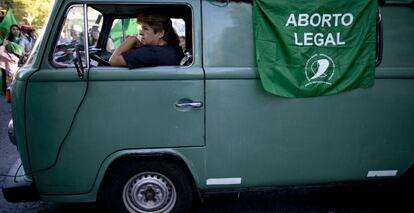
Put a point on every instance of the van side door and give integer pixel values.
(76, 123)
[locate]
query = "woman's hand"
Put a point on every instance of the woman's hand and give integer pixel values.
(134, 41)
(130, 42)
(6, 42)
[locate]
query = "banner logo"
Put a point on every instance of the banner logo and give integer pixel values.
(319, 69)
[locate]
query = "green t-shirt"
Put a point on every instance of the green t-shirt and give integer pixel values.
(14, 48)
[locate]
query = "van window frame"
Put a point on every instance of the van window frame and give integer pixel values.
(58, 65)
(188, 28)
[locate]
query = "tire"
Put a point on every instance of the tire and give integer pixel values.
(408, 185)
(148, 186)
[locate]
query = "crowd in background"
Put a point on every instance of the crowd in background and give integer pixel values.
(14, 51)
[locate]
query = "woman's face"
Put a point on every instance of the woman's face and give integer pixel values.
(33, 34)
(95, 35)
(148, 37)
(15, 31)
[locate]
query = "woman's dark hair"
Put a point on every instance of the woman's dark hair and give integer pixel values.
(10, 36)
(160, 22)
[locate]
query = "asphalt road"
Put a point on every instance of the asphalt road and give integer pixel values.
(360, 198)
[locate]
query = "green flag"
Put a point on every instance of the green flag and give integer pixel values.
(130, 28)
(310, 48)
(8, 20)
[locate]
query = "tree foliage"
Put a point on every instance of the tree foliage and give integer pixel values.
(32, 12)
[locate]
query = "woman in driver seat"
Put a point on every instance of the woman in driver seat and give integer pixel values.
(158, 45)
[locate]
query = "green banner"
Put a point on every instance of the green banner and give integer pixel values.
(8, 20)
(307, 48)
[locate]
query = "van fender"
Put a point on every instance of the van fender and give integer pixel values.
(171, 154)
(181, 155)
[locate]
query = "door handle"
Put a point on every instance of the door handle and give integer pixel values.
(194, 104)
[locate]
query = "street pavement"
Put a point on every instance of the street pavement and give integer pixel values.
(361, 198)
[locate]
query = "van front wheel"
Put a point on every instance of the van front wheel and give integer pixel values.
(148, 186)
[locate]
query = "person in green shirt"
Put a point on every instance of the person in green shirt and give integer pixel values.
(10, 53)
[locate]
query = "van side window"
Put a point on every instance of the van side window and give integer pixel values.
(123, 28)
(108, 25)
(95, 19)
(71, 36)
(123, 23)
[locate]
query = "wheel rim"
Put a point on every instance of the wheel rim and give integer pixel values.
(149, 192)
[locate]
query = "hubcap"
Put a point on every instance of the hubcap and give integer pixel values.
(149, 192)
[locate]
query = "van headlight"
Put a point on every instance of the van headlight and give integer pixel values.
(10, 130)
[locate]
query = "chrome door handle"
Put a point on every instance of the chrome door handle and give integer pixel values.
(194, 104)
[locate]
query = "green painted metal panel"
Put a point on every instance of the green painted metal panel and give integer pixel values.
(267, 140)
(75, 122)
(277, 141)
(398, 36)
(17, 109)
(50, 109)
(115, 115)
(227, 35)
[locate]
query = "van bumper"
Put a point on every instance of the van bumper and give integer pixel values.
(17, 187)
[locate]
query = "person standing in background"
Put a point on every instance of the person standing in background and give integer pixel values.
(95, 38)
(27, 42)
(29, 38)
(15, 35)
(10, 53)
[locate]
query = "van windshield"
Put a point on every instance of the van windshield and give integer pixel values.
(36, 46)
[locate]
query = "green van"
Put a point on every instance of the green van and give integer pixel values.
(153, 139)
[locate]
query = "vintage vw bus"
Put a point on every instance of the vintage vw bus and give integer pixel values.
(152, 139)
